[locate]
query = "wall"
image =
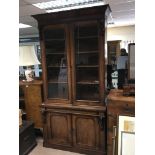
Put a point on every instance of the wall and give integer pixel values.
(124, 33)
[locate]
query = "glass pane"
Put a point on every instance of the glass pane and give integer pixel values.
(87, 92)
(58, 90)
(56, 61)
(87, 62)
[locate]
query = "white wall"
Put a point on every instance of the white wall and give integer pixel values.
(124, 33)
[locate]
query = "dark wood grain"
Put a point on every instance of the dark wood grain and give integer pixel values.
(117, 105)
(71, 124)
(33, 100)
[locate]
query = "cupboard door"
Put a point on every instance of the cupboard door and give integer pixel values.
(87, 133)
(56, 49)
(58, 129)
(86, 62)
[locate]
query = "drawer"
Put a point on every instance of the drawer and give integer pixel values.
(121, 108)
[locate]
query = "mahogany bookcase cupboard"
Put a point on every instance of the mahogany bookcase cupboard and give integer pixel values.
(73, 63)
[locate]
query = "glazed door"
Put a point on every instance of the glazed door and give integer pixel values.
(58, 129)
(87, 73)
(57, 66)
(87, 133)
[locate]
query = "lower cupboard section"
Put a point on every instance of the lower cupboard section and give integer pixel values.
(75, 131)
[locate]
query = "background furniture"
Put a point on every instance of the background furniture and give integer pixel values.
(31, 100)
(122, 78)
(117, 104)
(22, 103)
(27, 140)
(73, 64)
(131, 69)
(113, 54)
(113, 51)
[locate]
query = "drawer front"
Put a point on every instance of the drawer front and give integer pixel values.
(86, 131)
(121, 108)
(57, 130)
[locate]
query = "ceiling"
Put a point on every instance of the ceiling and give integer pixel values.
(123, 14)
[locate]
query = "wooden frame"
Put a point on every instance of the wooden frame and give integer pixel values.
(56, 100)
(126, 124)
(131, 62)
(101, 68)
(83, 114)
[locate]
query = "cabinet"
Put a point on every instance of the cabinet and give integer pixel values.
(117, 105)
(27, 139)
(113, 52)
(73, 48)
(75, 129)
(31, 100)
(22, 103)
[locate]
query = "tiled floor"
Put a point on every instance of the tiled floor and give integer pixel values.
(40, 150)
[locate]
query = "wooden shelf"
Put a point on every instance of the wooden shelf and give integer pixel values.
(87, 37)
(93, 101)
(88, 82)
(87, 66)
(56, 81)
(61, 39)
(56, 53)
(34, 82)
(87, 52)
(57, 66)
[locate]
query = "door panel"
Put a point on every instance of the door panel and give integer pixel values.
(86, 62)
(86, 132)
(57, 62)
(59, 128)
(85, 138)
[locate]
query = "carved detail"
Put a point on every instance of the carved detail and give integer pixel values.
(43, 112)
(101, 121)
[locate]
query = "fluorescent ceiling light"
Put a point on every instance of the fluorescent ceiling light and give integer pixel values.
(23, 25)
(61, 5)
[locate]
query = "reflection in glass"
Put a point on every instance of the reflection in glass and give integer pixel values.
(87, 62)
(58, 90)
(56, 61)
(87, 92)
